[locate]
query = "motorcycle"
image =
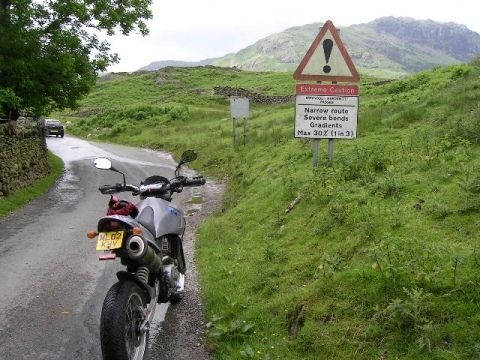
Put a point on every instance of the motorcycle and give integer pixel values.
(147, 237)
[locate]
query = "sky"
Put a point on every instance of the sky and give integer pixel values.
(192, 30)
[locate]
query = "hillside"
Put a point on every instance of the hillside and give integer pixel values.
(379, 259)
(156, 65)
(386, 47)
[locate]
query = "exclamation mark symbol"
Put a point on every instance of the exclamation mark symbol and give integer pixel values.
(327, 49)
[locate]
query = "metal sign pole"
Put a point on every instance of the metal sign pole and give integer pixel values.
(315, 143)
(330, 150)
(234, 134)
(244, 131)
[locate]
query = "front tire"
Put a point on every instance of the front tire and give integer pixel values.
(122, 313)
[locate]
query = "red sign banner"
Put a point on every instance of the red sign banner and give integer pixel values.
(317, 89)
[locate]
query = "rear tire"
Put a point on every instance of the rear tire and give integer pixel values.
(122, 313)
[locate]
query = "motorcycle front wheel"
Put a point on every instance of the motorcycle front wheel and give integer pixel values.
(123, 312)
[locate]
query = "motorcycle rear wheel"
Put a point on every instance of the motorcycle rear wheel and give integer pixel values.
(123, 311)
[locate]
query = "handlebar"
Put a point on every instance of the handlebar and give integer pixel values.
(156, 189)
(196, 181)
(110, 189)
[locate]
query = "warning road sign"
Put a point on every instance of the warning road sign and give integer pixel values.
(326, 111)
(327, 59)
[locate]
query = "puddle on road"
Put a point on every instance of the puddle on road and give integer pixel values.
(195, 202)
(192, 211)
(67, 192)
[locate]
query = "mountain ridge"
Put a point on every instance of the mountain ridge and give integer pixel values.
(385, 47)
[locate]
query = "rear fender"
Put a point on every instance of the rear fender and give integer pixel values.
(129, 223)
(126, 220)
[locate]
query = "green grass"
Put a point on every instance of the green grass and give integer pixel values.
(21, 197)
(380, 259)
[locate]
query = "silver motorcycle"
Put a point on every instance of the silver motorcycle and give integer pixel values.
(147, 237)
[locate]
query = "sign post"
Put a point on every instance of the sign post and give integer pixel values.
(234, 131)
(315, 143)
(239, 108)
(326, 111)
(330, 150)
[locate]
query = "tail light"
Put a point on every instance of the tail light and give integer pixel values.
(113, 226)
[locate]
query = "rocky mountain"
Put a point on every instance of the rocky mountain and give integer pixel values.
(385, 47)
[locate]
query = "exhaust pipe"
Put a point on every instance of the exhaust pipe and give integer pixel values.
(139, 251)
(136, 247)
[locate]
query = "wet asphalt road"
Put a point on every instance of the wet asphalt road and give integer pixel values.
(52, 284)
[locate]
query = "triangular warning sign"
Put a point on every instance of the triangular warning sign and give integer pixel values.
(327, 59)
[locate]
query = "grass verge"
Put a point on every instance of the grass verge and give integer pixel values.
(379, 260)
(21, 197)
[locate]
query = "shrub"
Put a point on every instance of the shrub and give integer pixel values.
(409, 314)
(179, 113)
(460, 72)
(389, 186)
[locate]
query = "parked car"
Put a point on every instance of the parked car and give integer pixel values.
(54, 127)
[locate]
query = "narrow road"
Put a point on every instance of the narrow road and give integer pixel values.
(52, 284)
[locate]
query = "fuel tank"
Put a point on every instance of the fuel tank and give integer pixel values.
(160, 217)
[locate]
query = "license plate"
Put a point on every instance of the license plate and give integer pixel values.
(110, 240)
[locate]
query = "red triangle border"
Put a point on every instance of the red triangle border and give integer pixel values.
(298, 72)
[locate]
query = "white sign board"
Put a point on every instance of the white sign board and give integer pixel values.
(326, 117)
(239, 107)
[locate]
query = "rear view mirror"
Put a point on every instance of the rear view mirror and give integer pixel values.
(103, 164)
(188, 156)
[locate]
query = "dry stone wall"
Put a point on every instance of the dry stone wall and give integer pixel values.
(253, 96)
(23, 156)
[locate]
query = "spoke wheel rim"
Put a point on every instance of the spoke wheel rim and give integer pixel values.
(135, 340)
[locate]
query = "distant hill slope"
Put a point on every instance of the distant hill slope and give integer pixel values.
(165, 63)
(385, 47)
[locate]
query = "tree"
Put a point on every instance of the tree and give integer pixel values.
(50, 52)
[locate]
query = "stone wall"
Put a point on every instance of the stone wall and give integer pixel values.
(253, 96)
(23, 156)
